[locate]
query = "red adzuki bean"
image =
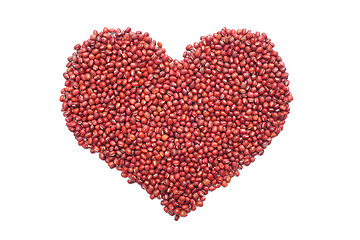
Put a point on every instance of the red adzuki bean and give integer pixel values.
(177, 128)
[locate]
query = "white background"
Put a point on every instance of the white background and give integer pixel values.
(305, 186)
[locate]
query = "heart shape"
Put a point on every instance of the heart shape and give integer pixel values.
(178, 128)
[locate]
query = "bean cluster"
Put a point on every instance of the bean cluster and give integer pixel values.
(177, 128)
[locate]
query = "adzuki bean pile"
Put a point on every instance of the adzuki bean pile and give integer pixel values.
(178, 128)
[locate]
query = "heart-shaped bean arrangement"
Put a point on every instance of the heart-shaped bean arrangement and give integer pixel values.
(178, 128)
